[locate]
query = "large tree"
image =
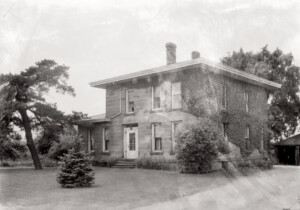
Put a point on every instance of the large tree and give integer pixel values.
(23, 99)
(276, 66)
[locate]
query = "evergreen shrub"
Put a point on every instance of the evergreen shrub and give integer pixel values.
(75, 169)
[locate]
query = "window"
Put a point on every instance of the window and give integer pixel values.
(246, 99)
(157, 137)
(129, 101)
(156, 104)
(262, 140)
(225, 130)
(175, 128)
(247, 137)
(224, 96)
(90, 140)
(105, 140)
(176, 95)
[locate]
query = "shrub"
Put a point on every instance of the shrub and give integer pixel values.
(75, 169)
(47, 162)
(196, 147)
(66, 143)
(5, 164)
(106, 162)
(223, 147)
(155, 163)
(263, 163)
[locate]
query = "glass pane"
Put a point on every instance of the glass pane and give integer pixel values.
(106, 144)
(176, 102)
(176, 88)
(158, 145)
(132, 141)
(157, 131)
(130, 95)
(131, 106)
(156, 103)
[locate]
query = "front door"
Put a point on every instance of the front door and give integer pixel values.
(131, 143)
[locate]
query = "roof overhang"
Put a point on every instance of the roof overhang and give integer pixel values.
(89, 121)
(199, 62)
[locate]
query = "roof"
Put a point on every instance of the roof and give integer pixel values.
(216, 67)
(291, 141)
(94, 119)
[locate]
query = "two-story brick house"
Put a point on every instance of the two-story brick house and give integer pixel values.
(145, 109)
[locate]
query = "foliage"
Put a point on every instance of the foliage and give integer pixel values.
(65, 144)
(10, 146)
(263, 163)
(196, 147)
(155, 163)
(47, 162)
(105, 162)
(275, 66)
(75, 169)
(5, 164)
(23, 102)
(237, 120)
(223, 147)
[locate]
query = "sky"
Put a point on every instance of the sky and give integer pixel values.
(99, 39)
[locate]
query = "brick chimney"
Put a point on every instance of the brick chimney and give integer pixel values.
(195, 55)
(171, 53)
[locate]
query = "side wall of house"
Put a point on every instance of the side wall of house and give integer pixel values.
(202, 82)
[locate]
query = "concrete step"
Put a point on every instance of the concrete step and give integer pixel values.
(125, 163)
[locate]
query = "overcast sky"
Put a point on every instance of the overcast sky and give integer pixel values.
(99, 39)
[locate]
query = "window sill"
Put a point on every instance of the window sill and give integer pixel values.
(177, 109)
(156, 110)
(105, 153)
(130, 113)
(157, 153)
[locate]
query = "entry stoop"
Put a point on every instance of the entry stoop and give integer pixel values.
(125, 163)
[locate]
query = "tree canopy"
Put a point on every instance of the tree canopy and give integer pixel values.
(284, 110)
(24, 104)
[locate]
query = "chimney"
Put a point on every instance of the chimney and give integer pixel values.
(171, 53)
(195, 55)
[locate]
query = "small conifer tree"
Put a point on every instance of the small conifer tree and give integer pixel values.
(75, 169)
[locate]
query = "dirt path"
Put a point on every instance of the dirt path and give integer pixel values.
(274, 189)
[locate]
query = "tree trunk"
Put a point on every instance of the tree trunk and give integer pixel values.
(30, 143)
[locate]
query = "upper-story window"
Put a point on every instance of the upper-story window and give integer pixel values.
(224, 96)
(156, 98)
(246, 99)
(176, 95)
(129, 101)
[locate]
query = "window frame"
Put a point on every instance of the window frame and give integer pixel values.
(104, 140)
(91, 141)
(152, 98)
(225, 131)
(172, 95)
(173, 133)
(224, 96)
(154, 138)
(246, 99)
(127, 102)
(247, 137)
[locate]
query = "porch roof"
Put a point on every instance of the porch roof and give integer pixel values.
(94, 119)
(291, 141)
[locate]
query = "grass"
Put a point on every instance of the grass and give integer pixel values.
(113, 189)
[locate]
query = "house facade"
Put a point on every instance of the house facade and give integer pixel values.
(144, 110)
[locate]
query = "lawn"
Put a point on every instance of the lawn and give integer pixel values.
(113, 189)
(150, 189)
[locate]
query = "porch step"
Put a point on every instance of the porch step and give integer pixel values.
(125, 164)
